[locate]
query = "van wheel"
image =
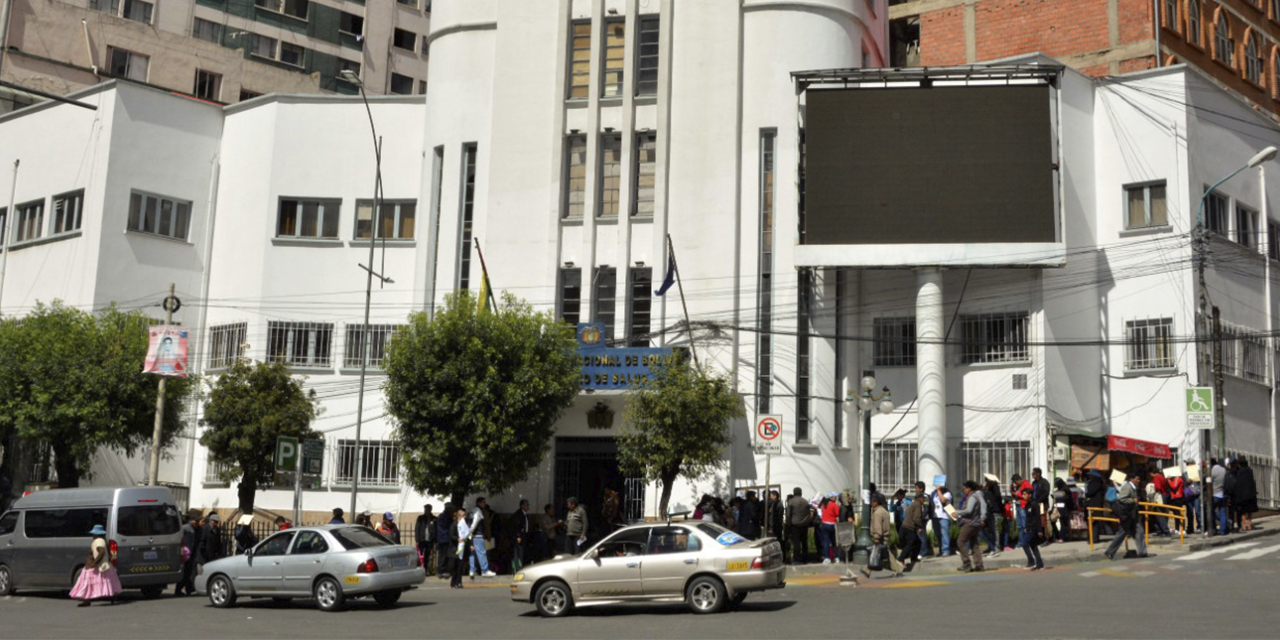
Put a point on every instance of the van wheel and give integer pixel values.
(705, 595)
(328, 594)
(6, 582)
(221, 594)
(152, 592)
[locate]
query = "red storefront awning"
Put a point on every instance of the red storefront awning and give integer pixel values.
(1140, 447)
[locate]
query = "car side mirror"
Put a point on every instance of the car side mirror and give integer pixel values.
(593, 554)
(248, 553)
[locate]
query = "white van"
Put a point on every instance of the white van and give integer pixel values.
(44, 538)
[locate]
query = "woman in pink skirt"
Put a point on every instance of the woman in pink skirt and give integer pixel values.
(98, 579)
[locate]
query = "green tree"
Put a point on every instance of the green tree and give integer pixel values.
(475, 395)
(677, 424)
(73, 379)
(250, 406)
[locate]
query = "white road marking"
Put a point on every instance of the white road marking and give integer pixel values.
(1256, 553)
(1144, 573)
(1090, 574)
(1205, 554)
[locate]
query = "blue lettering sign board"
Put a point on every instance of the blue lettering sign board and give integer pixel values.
(605, 367)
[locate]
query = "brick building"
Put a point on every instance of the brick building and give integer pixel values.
(1234, 42)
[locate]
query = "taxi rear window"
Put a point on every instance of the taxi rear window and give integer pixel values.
(721, 534)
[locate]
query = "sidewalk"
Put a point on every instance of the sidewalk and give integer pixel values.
(1065, 553)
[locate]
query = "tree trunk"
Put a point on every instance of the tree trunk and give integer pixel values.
(246, 491)
(664, 499)
(65, 463)
(458, 499)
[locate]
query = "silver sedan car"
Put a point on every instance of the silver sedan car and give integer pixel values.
(330, 564)
(698, 563)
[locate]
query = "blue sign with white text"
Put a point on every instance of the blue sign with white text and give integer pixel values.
(605, 367)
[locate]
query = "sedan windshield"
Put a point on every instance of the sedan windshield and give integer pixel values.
(359, 538)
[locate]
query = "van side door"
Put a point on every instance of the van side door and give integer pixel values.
(8, 537)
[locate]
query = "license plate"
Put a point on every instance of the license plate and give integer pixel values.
(352, 579)
(150, 555)
(739, 566)
(400, 563)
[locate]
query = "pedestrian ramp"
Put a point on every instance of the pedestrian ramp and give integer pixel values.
(1200, 555)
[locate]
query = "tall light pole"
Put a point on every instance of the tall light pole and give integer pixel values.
(368, 287)
(868, 402)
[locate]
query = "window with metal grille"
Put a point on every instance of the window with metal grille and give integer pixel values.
(1245, 354)
(1253, 59)
(67, 211)
(579, 60)
(206, 30)
(645, 176)
(395, 219)
(1215, 213)
(300, 344)
(1246, 231)
(127, 64)
(1019, 381)
(604, 302)
(610, 176)
(1193, 22)
(1001, 459)
(208, 85)
(160, 215)
(378, 336)
(1146, 206)
(804, 286)
(894, 466)
(995, 337)
(379, 463)
(1149, 344)
(308, 218)
(575, 176)
(895, 342)
(647, 56)
(213, 473)
(227, 344)
(1223, 44)
(641, 306)
(466, 214)
(615, 33)
(764, 275)
(571, 295)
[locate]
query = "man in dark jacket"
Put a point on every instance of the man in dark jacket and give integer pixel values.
(995, 503)
(337, 517)
(211, 539)
(909, 533)
(191, 543)
(1245, 495)
(798, 521)
(777, 516)
(520, 532)
(446, 537)
(424, 529)
(747, 523)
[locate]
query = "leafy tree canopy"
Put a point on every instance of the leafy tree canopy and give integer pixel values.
(475, 395)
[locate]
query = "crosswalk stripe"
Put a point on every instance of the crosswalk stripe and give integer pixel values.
(1205, 554)
(1256, 553)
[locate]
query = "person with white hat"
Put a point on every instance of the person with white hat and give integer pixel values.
(98, 578)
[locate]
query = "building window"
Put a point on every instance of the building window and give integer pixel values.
(292, 54)
(804, 286)
(644, 181)
(571, 295)
(395, 220)
(67, 209)
(379, 335)
(227, 344)
(466, 215)
(615, 34)
(422, 87)
(127, 64)
(647, 57)
(1193, 22)
(1215, 213)
(764, 276)
(246, 94)
(895, 342)
(262, 46)
(1273, 240)
(4, 226)
(213, 473)
(208, 85)
(350, 23)
(639, 314)
(300, 344)
(579, 60)
(1275, 72)
(1253, 59)
(135, 10)
(1246, 226)
(575, 176)
(308, 218)
(893, 466)
(1145, 206)
(379, 463)
(995, 337)
(293, 8)
(401, 85)
(1275, 9)
(347, 65)
(610, 176)
(29, 223)
(160, 215)
(402, 39)
(604, 301)
(207, 30)
(409, 3)
(1245, 354)
(1222, 41)
(1149, 345)
(1000, 459)
(1171, 14)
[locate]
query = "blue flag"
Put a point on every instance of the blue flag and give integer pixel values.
(671, 276)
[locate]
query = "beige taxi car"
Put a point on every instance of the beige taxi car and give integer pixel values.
(699, 563)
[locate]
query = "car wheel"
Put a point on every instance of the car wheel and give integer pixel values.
(152, 592)
(221, 593)
(328, 594)
(705, 595)
(6, 582)
(387, 599)
(553, 599)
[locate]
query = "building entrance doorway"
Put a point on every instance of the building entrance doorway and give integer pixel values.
(585, 468)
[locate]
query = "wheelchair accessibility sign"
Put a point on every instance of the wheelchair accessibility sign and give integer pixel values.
(1200, 408)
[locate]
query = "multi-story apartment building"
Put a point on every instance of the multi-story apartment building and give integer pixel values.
(217, 50)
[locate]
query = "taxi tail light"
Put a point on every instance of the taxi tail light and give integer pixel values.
(368, 566)
(114, 550)
(759, 563)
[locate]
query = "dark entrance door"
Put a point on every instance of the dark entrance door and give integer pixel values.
(585, 467)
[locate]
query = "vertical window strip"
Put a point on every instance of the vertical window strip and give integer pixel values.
(579, 60)
(641, 305)
(841, 311)
(571, 295)
(647, 56)
(615, 38)
(803, 331)
(575, 176)
(610, 176)
(764, 287)
(605, 299)
(644, 182)
(466, 215)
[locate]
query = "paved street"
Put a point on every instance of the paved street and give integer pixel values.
(1225, 592)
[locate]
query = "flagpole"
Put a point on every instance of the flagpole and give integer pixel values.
(485, 270)
(680, 285)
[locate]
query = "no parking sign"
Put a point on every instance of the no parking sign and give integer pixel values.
(769, 435)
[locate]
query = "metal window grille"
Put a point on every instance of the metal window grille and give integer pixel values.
(379, 463)
(575, 176)
(1019, 381)
(1215, 213)
(605, 298)
(579, 60)
(1245, 354)
(300, 344)
(66, 211)
(379, 335)
(1149, 344)
(803, 360)
(1001, 459)
(647, 56)
(895, 342)
(466, 215)
(615, 35)
(308, 218)
(571, 295)
(227, 344)
(641, 306)
(764, 294)
(894, 465)
(396, 219)
(645, 183)
(610, 176)
(1146, 206)
(213, 473)
(995, 337)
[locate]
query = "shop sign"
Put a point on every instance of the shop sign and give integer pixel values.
(1139, 447)
(605, 367)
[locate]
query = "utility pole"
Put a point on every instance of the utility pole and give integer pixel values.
(1219, 416)
(153, 472)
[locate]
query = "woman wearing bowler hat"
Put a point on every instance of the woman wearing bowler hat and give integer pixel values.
(98, 578)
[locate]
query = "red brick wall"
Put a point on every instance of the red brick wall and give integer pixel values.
(1059, 29)
(942, 38)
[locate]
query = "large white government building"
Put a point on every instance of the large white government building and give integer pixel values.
(570, 139)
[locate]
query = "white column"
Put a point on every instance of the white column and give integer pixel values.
(931, 374)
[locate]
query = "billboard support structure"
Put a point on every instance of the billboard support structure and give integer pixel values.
(931, 373)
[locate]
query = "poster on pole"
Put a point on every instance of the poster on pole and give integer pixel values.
(167, 352)
(768, 438)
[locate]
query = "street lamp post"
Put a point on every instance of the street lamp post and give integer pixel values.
(867, 401)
